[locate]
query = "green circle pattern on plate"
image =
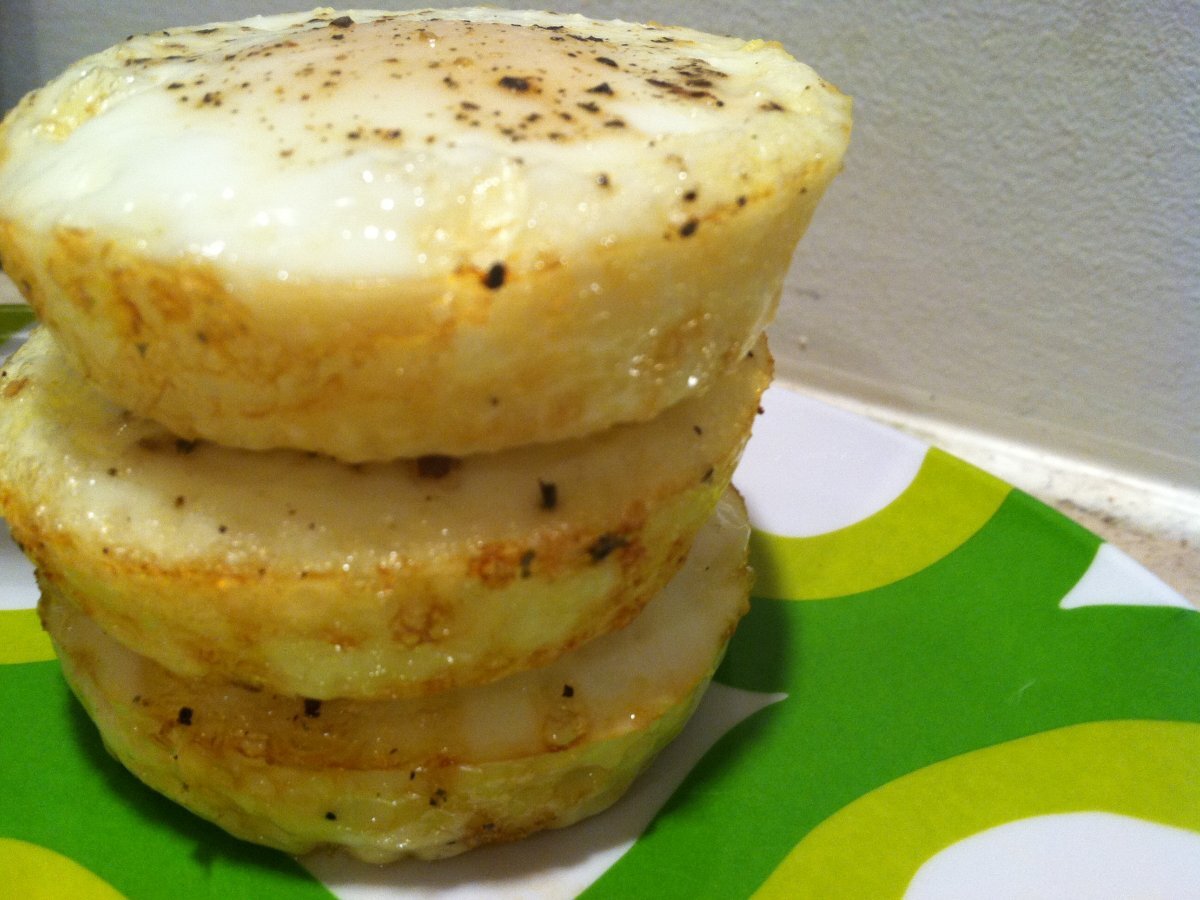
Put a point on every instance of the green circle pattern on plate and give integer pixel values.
(947, 503)
(32, 872)
(874, 846)
(944, 640)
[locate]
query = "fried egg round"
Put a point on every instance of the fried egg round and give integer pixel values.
(426, 777)
(310, 576)
(380, 234)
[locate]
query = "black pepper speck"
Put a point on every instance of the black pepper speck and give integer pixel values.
(495, 277)
(436, 466)
(514, 83)
(604, 545)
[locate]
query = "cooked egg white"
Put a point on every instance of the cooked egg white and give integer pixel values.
(373, 144)
(309, 576)
(380, 234)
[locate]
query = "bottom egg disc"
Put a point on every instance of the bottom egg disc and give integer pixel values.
(428, 776)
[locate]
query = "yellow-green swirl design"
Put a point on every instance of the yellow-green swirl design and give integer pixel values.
(947, 503)
(874, 846)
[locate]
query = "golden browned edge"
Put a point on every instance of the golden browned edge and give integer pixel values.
(168, 340)
(560, 784)
(134, 597)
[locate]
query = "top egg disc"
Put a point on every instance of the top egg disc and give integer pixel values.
(379, 234)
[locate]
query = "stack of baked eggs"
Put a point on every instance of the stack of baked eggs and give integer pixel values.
(374, 454)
